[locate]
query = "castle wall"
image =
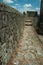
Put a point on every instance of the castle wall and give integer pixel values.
(41, 18)
(40, 23)
(11, 28)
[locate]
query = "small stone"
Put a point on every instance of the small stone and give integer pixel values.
(40, 52)
(19, 55)
(16, 62)
(29, 56)
(32, 63)
(25, 63)
(24, 48)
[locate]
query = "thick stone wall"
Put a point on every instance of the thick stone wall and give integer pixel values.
(11, 28)
(32, 13)
(40, 23)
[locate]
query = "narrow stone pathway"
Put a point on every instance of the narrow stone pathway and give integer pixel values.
(30, 49)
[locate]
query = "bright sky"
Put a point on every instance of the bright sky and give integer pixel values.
(24, 5)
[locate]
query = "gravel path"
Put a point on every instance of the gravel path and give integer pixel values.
(30, 49)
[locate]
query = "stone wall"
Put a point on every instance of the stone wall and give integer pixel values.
(11, 28)
(40, 22)
(32, 13)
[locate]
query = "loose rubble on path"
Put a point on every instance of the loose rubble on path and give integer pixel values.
(30, 50)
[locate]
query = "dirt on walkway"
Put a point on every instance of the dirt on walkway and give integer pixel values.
(29, 51)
